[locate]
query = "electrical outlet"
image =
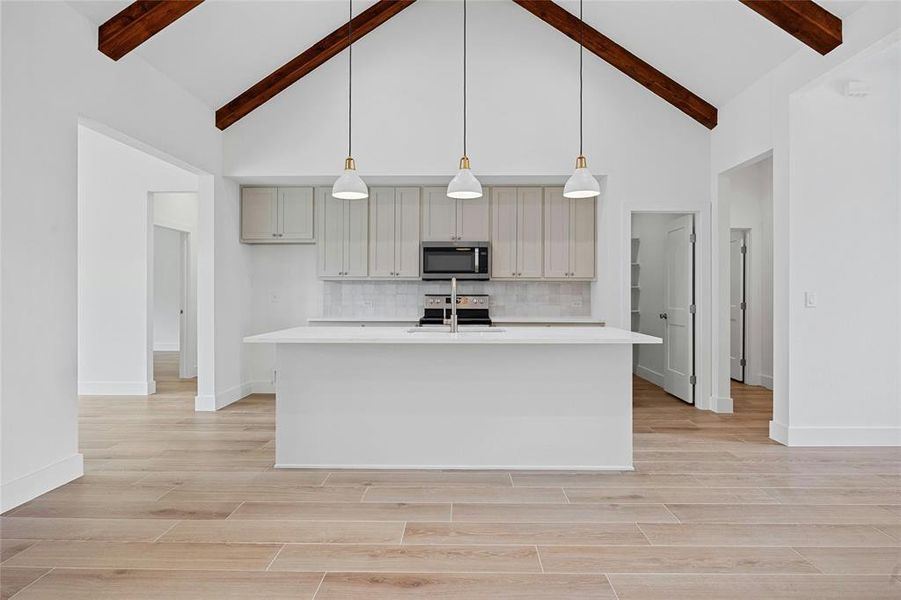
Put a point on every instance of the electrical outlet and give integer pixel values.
(368, 304)
(274, 298)
(577, 303)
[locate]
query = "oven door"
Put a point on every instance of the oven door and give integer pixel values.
(443, 260)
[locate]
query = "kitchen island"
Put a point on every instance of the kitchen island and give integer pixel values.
(418, 398)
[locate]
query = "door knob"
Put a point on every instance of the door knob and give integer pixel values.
(663, 316)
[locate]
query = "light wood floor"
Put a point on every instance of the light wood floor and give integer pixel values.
(177, 504)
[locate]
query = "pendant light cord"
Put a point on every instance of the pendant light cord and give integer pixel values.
(350, 66)
(581, 46)
(464, 77)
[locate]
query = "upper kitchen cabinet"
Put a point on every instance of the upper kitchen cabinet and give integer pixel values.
(448, 219)
(569, 236)
(394, 232)
(516, 233)
(343, 236)
(271, 215)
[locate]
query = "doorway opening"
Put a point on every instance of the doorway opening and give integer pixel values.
(745, 201)
(136, 254)
(662, 267)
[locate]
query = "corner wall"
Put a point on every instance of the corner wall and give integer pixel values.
(53, 76)
(757, 121)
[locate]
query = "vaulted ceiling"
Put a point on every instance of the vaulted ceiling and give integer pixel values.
(223, 47)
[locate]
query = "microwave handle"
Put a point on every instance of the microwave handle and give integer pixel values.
(476, 250)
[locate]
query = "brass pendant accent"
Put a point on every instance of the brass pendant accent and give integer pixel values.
(581, 162)
(349, 164)
(464, 162)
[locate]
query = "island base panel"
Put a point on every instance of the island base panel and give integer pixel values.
(454, 406)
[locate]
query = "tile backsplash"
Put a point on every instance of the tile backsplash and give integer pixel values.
(404, 299)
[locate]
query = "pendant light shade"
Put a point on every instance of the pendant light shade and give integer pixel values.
(464, 185)
(581, 184)
(349, 185)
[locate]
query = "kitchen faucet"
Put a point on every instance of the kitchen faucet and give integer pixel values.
(453, 319)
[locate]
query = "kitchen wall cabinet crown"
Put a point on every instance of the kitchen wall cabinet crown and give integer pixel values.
(277, 215)
(343, 236)
(569, 236)
(394, 232)
(448, 219)
(517, 234)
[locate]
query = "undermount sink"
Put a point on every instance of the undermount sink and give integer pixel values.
(464, 329)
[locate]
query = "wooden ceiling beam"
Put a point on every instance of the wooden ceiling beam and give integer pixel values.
(804, 19)
(312, 57)
(138, 22)
(682, 98)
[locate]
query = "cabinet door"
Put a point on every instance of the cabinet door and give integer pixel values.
(582, 254)
(331, 233)
(503, 232)
(295, 214)
(406, 232)
(557, 224)
(382, 222)
(439, 215)
(529, 233)
(472, 220)
(356, 246)
(259, 214)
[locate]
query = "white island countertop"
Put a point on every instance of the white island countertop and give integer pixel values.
(493, 335)
(497, 320)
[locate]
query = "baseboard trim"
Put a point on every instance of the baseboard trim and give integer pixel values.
(835, 436)
(458, 467)
(28, 487)
(766, 381)
(116, 388)
(170, 347)
(779, 433)
(211, 403)
(649, 375)
(721, 404)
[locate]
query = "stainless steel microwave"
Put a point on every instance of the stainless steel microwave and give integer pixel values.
(463, 260)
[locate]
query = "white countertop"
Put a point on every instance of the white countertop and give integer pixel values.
(550, 320)
(475, 335)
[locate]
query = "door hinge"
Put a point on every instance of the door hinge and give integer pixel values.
(744, 249)
(692, 238)
(743, 305)
(692, 309)
(743, 362)
(692, 379)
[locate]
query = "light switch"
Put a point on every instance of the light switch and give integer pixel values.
(810, 299)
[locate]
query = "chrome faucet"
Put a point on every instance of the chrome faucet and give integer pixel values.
(453, 319)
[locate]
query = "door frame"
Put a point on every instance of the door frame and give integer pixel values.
(699, 368)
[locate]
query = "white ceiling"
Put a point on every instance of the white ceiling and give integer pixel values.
(715, 48)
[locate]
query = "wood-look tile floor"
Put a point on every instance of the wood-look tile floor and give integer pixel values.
(176, 504)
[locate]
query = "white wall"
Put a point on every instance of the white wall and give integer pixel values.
(757, 121)
(115, 235)
(750, 194)
(650, 229)
(180, 211)
(845, 244)
(167, 284)
(52, 76)
(523, 125)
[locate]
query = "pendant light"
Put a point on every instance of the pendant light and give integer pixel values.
(464, 184)
(349, 185)
(581, 184)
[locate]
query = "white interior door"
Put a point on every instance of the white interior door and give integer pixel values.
(737, 305)
(679, 338)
